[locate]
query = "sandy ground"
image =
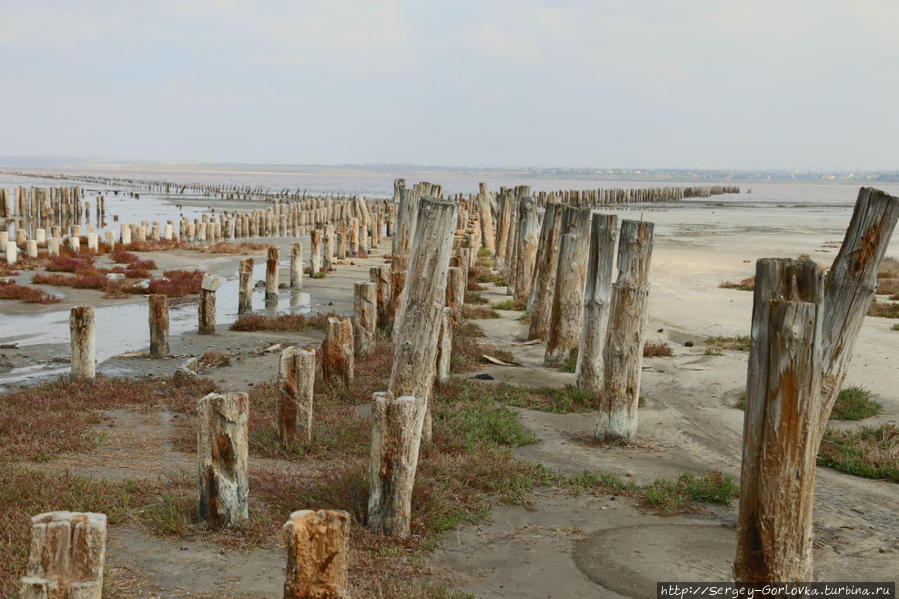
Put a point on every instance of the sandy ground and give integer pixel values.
(559, 545)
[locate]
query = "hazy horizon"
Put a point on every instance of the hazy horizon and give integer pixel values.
(700, 84)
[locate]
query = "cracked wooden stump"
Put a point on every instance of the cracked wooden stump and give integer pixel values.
(222, 454)
(565, 319)
(365, 317)
(317, 548)
(159, 325)
(82, 330)
(206, 308)
(623, 353)
(337, 350)
(391, 469)
(66, 556)
(296, 381)
(245, 287)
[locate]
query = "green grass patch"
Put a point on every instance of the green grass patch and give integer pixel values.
(474, 298)
(740, 343)
(477, 424)
(895, 327)
(689, 489)
(870, 452)
(484, 253)
(855, 403)
(510, 304)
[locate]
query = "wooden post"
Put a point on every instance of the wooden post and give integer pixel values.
(245, 287)
(206, 308)
(414, 365)
(488, 233)
(296, 380)
(365, 317)
(380, 276)
(455, 294)
(445, 346)
(799, 352)
(540, 303)
(391, 469)
(159, 325)
(222, 455)
(623, 353)
(527, 248)
(597, 297)
(329, 247)
(296, 265)
(82, 324)
(66, 557)
(271, 277)
(315, 252)
(337, 350)
(565, 319)
(407, 216)
(317, 547)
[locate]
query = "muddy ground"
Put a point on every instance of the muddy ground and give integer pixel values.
(558, 544)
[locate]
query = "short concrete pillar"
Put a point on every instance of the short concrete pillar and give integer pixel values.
(66, 557)
(82, 325)
(317, 547)
(222, 455)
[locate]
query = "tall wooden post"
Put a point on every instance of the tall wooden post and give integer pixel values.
(565, 319)
(540, 303)
(799, 353)
(315, 251)
(414, 364)
(222, 454)
(82, 325)
(159, 325)
(527, 248)
(365, 317)
(296, 380)
(455, 294)
(623, 353)
(206, 308)
(407, 216)
(597, 297)
(271, 277)
(380, 276)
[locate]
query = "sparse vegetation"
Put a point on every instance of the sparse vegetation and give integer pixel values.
(747, 284)
(510, 304)
(474, 286)
(284, 321)
(884, 309)
(870, 452)
(657, 350)
(478, 312)
(484, 253)
(717, 344)
(10, 290)
(683, 494)
(546, 399)
(855, 403)
(473, 297)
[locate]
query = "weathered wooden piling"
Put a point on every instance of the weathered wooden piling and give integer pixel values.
(380, 276)
(296, 265)
(206, 308)
(317, 548)
(159, 325)
(337, 350)
(315, 252)
(296, 380)
(245, 286)
(66, 557)
(222, 455)
(540, 302)
(803, 333)
(623, 353)
(271, 277)
(445, 346)
(597, 298)
(365, 317)
(565, 318)
(527, 248)
(400, 422)
(455, 294)
(82, 326)
(407, 217)
(391, 467)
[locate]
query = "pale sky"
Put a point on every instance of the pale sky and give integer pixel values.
(595, 83)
